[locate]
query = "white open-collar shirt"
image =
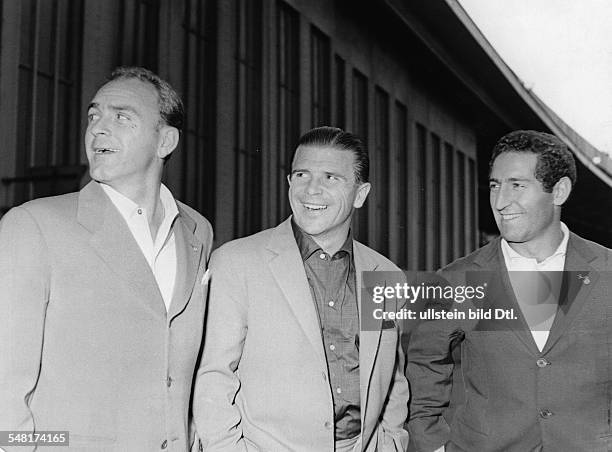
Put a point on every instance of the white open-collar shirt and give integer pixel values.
(160, 252)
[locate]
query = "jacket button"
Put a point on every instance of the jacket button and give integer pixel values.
(324, 375)
(328, 425)
(542, 362)
(164, 444)
(169, 381)
(545, 413)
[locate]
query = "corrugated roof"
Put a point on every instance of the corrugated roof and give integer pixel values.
(596, 161)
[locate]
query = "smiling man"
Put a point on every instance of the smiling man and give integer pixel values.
(103, 291)
(285, 365)
(540, 381)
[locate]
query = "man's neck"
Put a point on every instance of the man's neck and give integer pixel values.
(331, 243)
(542, 248)
(147, 197)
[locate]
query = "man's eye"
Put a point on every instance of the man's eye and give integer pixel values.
(518, 185)
(493, 187)
(92, 117)
(122, 117)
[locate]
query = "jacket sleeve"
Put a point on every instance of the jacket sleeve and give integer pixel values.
(396, 409)
(430, 369)
(24, 294)
(217, 419)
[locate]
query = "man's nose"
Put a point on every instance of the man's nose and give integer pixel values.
(502, 197)
(100, 126)
(314, 186)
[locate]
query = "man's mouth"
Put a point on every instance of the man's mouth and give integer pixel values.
(314, 207)
(105, 151)
(509, 216)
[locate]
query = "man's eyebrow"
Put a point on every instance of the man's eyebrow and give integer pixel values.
(298, 170)
(512, 179)
(328, 173)
(119, 107)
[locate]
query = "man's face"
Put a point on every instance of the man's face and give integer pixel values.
(123, 137)
(523, 211)
(323, 191)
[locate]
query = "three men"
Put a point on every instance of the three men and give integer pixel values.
(285, 364)
(540, 381)
(103, 291)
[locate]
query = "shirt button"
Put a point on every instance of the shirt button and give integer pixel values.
(328, 425)
(169, 381)
(324, 375)
(545, 413)
(332, 347)
(164, 444)
(322, 255)
(339, 390)
(542, 362)
(139, 211)
(331, 303)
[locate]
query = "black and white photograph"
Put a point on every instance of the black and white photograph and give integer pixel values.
(306, 225)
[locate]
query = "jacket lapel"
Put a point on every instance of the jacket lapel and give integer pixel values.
(288, 270)
(501, 295)
(368, 340)
(113, 242)
(579, 279)
(188, 255)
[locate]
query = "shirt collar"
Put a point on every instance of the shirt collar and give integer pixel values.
(127, 208)
(561, 250)
(308, 246)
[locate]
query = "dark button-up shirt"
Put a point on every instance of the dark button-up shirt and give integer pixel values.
(332, 284)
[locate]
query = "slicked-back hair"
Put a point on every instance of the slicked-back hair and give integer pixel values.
(554, 159)
(336, 138)
(171, 107)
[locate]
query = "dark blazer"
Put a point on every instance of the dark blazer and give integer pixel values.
(512, 397)
(86, 344)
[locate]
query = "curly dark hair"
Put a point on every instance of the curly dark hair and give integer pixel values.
(555, 160)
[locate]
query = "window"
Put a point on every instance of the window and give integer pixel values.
(380, 160)
(48, 141)
(288, 107)
(360, 128)
(340, 93)
(434, 205)
(140, 33)
(449, 203)
(460, 203)
(197, 157)
(421, 200)
(402, 214)
(320, 77)
(248, 208)
(472, 207)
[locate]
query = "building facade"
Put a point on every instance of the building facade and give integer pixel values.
(255, 75)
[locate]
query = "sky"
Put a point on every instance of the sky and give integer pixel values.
(562, 51)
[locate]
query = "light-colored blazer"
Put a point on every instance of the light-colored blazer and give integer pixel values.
(86, 344)
(263, 383)
(512, 396)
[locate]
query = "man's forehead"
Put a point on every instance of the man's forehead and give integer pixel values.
(323, 155)
(127, 90)
(514, 165)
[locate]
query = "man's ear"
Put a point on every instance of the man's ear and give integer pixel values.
(169, 138)
(562, 190)
(362, 194)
